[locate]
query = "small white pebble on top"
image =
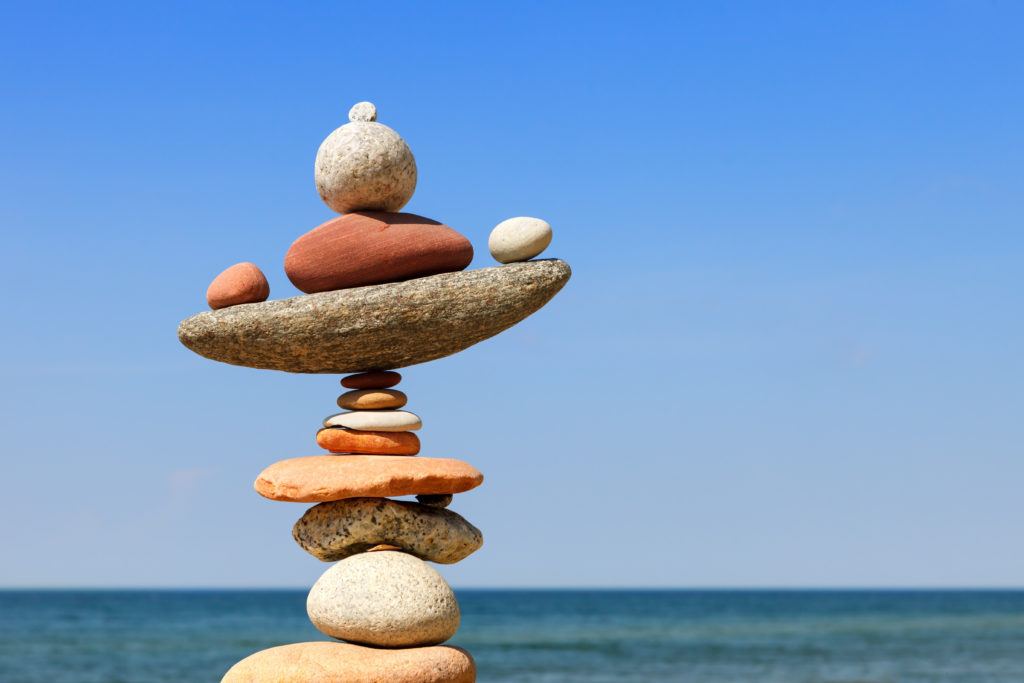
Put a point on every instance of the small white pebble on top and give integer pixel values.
(362, 111)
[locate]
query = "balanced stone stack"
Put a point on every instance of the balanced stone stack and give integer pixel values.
(384, 290)
(374, 424)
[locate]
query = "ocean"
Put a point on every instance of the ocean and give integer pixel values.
(544, 636)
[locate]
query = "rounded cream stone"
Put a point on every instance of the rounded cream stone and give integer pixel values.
(519, 239)
(386, 599)
(376, 421)
(362, 111)
(364, 165)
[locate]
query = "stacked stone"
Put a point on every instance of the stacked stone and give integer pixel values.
(383, 291)
(373, 425)
(381, 593)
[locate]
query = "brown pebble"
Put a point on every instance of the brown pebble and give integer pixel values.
(338, 440)
(435, 500)
(381, 379)
(372, 399)
(242, 283)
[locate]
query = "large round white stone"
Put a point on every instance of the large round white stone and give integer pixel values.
(387, 599)
(365, 166)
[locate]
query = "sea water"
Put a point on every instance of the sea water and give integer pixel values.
(544, 636)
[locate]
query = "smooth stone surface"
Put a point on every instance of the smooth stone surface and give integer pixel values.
(386, 326)
(338, 440)
(376, 420)
(372, 399)
(371, 248)
(385, 599)
(334, 531)
(364, 165)
(328, 662)
(519, 239)
(381, 379)
(435, 500)
(242, 283)
(321, 478)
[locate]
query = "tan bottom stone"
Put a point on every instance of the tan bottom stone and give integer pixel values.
(327, 662)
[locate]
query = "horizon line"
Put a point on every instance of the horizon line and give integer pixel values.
(575, 589)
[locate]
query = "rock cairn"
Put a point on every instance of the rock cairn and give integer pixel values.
(383, 290)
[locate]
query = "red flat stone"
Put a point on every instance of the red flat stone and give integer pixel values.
(381, 379)
(372, 248)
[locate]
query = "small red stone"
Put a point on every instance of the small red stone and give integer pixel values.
(242, 283)
(380, 379)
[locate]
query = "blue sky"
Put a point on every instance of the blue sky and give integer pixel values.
(790, 353)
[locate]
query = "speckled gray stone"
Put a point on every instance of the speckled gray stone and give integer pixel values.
(435, 500)
(387, 599)
(364, 165)
(376, 420)
(519, 239)
(379, 327)
(336, 530)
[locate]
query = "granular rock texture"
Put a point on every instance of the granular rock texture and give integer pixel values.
(327, 662)
(364, 165)
(321, 478)
(334, 531)
(378, 327)
(388, 599)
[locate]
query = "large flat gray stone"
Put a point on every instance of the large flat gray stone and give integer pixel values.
(379, 327)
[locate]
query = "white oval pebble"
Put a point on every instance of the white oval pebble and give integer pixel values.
(387, 599)
(519, 239)
(362, 111)
(376, 420)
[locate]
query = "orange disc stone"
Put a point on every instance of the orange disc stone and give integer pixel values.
(320, 478)
(368, 443)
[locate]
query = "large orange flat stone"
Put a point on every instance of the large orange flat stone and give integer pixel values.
(320, 478)
(327, 662)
